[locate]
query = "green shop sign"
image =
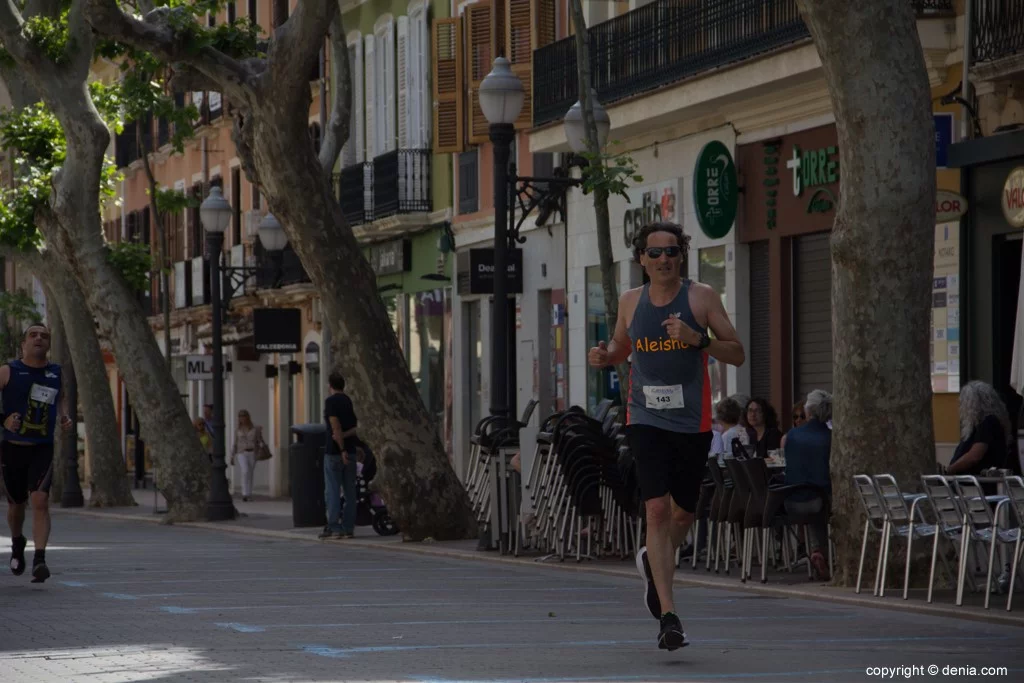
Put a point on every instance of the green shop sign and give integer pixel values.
(715, 190)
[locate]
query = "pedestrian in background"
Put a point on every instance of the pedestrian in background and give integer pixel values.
(205, 438)
(340, 460)
(247, 440)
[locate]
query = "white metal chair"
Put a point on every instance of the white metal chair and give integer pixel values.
(1015, 494)
(876, 521)
(949, 519)
(901, 522)
(980, 524)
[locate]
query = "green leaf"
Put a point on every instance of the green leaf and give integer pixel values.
(133, 261)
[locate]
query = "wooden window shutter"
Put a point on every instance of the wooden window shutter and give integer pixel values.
(449, 106)
(544, 24)
(520, 53)
(388, 62)
(357, 129)
(405, 85)
(370, 62)
(499, 31)
(478, 29)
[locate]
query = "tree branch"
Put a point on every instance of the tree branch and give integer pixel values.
(296, 45)
(42, 8)
(184, 78)
(337, 132)
(10, 31)
(82, 42)
(154, 34)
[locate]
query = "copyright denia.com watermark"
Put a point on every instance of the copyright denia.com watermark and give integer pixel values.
(893, 672)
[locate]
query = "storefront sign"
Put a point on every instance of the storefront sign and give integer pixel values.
(198, 367)
(1013, 198)
(715, 191)
(277, 330)
(649, 204)
(480, 276)
(390, 258)
(949, 206)
(791, 184)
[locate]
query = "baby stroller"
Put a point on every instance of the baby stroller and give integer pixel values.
(370, 507)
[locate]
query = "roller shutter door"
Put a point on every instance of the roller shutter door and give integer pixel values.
(760, 321)
(812, 296)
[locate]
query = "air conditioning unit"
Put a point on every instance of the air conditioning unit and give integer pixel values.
(252, 223)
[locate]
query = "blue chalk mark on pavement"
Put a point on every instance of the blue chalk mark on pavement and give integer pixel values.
(178, 610)
(242, 628)
(120, 596)
(74, 584)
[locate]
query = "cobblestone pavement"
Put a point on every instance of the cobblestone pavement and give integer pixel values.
(139, 602)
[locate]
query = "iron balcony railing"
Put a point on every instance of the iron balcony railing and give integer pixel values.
(933, 6)
(355, 193)
(661, 43)
(401, 182)
(277, 269)
(998, 29)
(393, 183)
(667, 41)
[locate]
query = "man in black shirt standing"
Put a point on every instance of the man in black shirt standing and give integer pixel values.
(340, 460)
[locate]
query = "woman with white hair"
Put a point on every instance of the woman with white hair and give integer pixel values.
(985, 432)
(808, 449)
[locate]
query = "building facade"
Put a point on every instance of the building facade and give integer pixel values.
(749, 78)
(990, 157)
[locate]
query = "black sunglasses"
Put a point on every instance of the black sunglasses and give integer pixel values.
(656, 252)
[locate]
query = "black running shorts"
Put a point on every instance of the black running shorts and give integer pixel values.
(669, 462)
(26, 468)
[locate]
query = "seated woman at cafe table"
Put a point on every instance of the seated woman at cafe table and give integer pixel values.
(808, 450)
(763, 431)
(984, 431)
(728, 413)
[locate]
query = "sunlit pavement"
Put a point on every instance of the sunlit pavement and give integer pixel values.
(139, 602)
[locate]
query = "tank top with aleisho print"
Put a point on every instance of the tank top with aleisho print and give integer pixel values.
(668, 381)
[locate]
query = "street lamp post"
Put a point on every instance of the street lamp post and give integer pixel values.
(215, 213)
(501, 99)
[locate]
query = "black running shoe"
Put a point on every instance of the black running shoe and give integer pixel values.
(40, 572)
(18, 555)
(672, 636)
(651, 600)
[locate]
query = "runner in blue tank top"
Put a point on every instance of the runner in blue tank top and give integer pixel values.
(664, 327)
(33, 404)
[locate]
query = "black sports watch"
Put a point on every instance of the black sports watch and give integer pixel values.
(705, 341)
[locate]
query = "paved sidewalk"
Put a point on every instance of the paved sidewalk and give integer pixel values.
(272, 518)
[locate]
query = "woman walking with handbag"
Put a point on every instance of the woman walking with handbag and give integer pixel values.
(248, 442)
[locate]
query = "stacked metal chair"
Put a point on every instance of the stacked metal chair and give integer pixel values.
(583, 486)
(494, 441)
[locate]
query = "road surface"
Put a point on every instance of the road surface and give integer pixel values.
(137, 602)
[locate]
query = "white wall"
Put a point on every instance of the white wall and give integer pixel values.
(543, 268)
(665, 164)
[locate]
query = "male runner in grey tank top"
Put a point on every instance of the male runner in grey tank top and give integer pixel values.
(664, 326)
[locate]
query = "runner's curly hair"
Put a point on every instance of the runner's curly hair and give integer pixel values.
(640, 241)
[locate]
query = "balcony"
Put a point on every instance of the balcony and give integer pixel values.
(661, 43)
(355, 193)
(668, 41)
(998, 30)
(396, 182)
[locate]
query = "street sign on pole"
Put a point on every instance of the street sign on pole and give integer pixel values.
(198, 367)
